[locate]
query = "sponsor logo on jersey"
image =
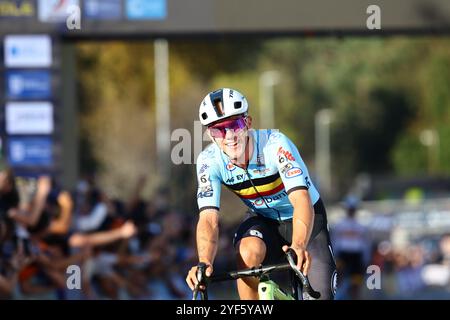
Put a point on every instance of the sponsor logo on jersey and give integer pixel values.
(293, 172)
(205, 194)
(285, 153)
(230, 166)
(230, 180)
(203, 168)
(260, 202)
(206, 188)
(286, 167)
(256, 233)
(260, 160)
(261, 171)
(209, 151)
(275, 136)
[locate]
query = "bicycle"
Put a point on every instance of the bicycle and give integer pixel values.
(267, 289)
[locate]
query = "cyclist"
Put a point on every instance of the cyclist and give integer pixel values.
(265, 170)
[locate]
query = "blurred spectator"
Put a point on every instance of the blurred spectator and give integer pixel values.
(444, 245)
(93, 212)
(437, 274)
(352, 251)
(409, 265)
(12, 257)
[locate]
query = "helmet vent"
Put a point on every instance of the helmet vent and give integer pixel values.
(204, 116)
(238, 105)
(218, 107)
(217, 102)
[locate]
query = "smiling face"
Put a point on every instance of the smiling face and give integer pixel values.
(231, 136)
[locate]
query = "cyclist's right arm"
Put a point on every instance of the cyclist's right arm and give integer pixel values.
(207, 243)
(208, 237)
(208, 198)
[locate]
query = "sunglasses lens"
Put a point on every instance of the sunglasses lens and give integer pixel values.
(217, 133)
(237, 124)
(220, 130)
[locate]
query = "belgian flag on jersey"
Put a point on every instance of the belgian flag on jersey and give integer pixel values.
(266, 186)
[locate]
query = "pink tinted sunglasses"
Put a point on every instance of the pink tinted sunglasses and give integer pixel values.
(219, 130)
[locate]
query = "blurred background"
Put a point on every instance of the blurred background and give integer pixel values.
(99, 135)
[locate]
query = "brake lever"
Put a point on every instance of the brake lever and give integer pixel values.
(304, 279)
(201, 278)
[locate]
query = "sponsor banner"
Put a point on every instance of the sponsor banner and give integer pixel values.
(17, 9)
(30, 151)
(28, 85)
(103, 9)
(29, 118)
(146, 9)
(28, 51)
(55, 10)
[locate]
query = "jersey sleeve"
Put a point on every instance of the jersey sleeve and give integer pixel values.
(290, 165)
(209, 185)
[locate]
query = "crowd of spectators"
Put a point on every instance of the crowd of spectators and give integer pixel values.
(142, 248)
(133, 249)
(415, 269)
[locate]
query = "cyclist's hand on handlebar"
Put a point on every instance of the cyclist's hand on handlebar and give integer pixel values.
(303, 258)
(191, 278)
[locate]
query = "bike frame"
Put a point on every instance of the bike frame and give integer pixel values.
(269, 290)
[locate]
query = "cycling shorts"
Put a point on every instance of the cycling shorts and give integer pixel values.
(275, 234)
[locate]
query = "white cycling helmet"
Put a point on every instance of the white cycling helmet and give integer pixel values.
(221, 104)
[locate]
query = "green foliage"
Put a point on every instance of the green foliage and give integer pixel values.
(416, 162)
(443, 149)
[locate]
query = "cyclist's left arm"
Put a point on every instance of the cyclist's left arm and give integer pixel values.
(302, 224)
(295, 178)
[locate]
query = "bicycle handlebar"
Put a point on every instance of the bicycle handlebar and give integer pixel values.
(304, 279)
(254, 272)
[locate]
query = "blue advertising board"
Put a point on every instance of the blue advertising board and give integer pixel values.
(146, 9)
(30, 151)
(103, 9)
(28, 85)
